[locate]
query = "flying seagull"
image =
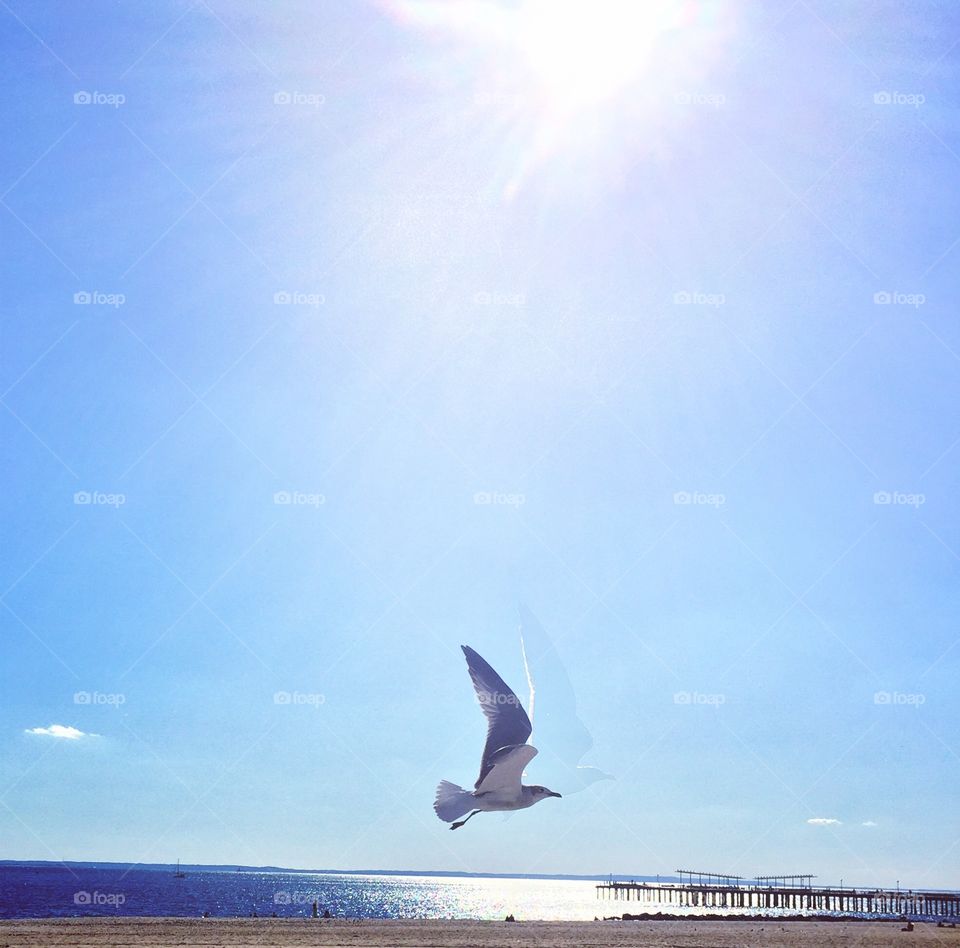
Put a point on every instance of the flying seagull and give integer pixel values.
(505, 753)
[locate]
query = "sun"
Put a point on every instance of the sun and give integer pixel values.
(570, 86)
(581, 53)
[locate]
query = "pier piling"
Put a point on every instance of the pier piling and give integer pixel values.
(794, 893)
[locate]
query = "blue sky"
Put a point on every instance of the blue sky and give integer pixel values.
(656, 337)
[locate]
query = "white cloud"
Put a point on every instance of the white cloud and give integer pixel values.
(868, 823)
(60, 730)
(823, 821)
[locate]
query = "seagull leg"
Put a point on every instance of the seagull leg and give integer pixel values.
(460, 823)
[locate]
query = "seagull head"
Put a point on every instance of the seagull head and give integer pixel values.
(541, 793)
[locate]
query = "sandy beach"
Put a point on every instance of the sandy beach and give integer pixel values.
(232, 933)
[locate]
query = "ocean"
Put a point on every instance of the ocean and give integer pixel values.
(64, 891)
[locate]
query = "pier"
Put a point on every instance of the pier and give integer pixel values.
(791, 893)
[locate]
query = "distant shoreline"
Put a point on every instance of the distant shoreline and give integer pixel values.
(423, 873)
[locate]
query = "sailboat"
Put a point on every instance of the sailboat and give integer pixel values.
(179, 874)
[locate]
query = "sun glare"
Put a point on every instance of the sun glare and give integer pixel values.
(582, 53)
(571, 83)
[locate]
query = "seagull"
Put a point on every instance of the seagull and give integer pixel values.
(505, 753)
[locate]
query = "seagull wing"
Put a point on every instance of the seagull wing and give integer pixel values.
(507, 769)
(507, 722)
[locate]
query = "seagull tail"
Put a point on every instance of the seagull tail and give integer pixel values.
(452, 801)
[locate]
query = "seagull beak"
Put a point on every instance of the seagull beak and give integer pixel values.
(560, 795)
